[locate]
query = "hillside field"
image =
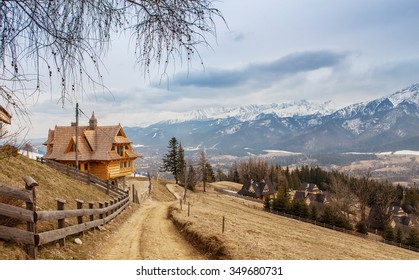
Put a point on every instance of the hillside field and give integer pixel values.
(250, 234)
(254, 234)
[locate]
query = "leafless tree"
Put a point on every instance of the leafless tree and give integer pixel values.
(342, 197)
(55, 44)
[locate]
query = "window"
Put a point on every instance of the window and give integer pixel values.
(86, 166)
(119, 150)
(72, 148)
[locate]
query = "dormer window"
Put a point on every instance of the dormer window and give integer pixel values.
(72, 148)
(71, 145)
(119, 150)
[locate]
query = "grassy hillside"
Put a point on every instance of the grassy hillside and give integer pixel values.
(52, 184)
(254, 234)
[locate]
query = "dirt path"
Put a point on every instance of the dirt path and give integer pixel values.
(149, 234)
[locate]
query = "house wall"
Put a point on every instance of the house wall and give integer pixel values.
(120, 168)
(99, 169)
(107, 170)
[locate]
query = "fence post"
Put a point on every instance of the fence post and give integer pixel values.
(106, 206)
(223, 226)
(88, 177)
(30, 185)
(91, 204)
(189, 208)
(115, 201)
(111, 203)
(61, 222)
(101, 207)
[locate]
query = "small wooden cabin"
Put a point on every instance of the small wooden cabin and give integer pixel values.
(104, 151)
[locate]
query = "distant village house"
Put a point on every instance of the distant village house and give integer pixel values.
(255, 189)
(309, 194)
(104, 151)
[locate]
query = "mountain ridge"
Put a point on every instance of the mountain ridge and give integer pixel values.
(365, 126)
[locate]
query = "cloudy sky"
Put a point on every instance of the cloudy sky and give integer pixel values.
(271, 52)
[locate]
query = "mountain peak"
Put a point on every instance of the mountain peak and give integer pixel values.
(410, 93)
(250, 112)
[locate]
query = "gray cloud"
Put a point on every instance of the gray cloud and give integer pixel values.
(265, 73)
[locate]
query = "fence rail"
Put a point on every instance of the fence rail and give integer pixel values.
(86, 177)
(31, 238)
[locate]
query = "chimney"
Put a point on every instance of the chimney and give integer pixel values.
(93, 122)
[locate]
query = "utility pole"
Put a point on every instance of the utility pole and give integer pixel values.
(77, 135)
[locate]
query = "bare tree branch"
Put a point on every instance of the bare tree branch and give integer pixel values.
(63, 40)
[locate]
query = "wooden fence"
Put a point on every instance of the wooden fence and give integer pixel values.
(87, 218)
(86, 177)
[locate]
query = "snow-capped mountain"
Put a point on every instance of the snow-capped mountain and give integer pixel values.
(251, 112)
(381, 124)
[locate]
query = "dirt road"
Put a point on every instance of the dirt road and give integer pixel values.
(149, 234)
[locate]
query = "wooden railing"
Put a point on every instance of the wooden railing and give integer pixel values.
(87, 218)
(86, 177)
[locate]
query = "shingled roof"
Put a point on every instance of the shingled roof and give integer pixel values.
(94, 143)
(256, 189)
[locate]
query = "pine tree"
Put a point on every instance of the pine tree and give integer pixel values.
(388, 233)
(210, 173)
(313, 213)
(170, 160)
(281, 200)
(174, 160)
(181, 164)
(267, 203)
(191, 183)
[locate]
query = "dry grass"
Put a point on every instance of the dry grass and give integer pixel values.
(52, 184)
(254, 234)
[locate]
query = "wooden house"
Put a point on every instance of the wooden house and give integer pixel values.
(257, 189)
(5, 117)
(309, 194)
(104, 151)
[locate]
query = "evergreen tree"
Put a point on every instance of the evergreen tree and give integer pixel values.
(210, 173)
(413, 238)
(313, 213)
(281, 200)
(295, 180)
(388, 233)
(361, 227)
(192, 180)
(171, 159)
(181, 164)
(267, 203)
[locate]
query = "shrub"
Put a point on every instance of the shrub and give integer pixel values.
(361, 227)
